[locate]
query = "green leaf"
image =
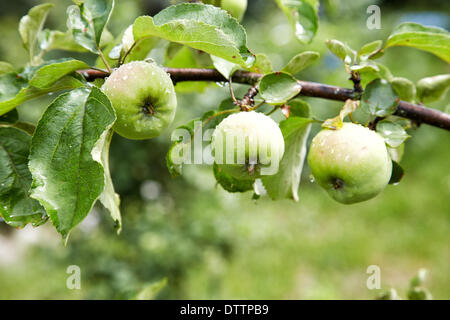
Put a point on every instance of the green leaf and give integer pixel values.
(390, 294)
(342, 51)
(299, 108)
(88, 20)
(180, 151)
(418, 293)
(225, 67)
(405, 88)
(384, 72)
(432, 39)
(419, 279)
(6, 67)
(202, 27)
(16, 206)
(369, 49)
(366, 67)
(14, 90)
(230, 183)
(433, 88)
(50, 73)
(278, 87)
(379, 98)
(151, 291)
(300, 62)
(369, 71)
(58, 40)
(262, 64)
(109, 198)
(337, 122)
(179, 56)
(67, 180)
(394, 135)
(303, 17)
(285, 183)
(396, 154)
(10, 117)
(30, 26)
(10, 86)
(397, 173)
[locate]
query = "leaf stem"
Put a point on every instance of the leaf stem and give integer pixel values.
(220, 114)
(102, 56)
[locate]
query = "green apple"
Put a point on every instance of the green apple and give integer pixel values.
(144, 99)
(351, 163)
(247, 145)
(235, 7)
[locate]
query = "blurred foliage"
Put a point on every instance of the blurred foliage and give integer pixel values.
(211, 244)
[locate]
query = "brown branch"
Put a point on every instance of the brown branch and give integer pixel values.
(356, 79)
(405, 109)
(247, 100)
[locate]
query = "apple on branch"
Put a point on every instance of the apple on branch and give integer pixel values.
(247, 145)
(351, 163)
(144, 99)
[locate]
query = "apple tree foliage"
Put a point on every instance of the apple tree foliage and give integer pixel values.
(58, 169)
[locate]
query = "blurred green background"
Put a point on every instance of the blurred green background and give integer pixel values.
(213, 245)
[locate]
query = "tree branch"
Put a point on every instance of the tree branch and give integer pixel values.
(405, 109)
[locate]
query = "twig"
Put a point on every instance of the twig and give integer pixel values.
(405, 109)
(356, 79)
(230, 83)
(247, 100)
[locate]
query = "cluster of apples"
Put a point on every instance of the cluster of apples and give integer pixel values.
(351, 163)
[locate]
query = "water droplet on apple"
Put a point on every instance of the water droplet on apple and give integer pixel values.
(311, 178)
